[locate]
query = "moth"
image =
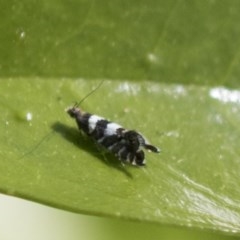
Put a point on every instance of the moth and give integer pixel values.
(127, 145)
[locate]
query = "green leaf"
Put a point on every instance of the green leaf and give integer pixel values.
(184, 49)
(192, 182)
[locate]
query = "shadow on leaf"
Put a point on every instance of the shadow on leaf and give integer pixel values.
(87, 144)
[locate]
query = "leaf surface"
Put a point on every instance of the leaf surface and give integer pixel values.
(192, 182)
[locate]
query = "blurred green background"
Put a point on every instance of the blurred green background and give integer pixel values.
(41, 222)
(168, 42)
(173, 41)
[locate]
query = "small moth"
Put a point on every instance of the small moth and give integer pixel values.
(126, 144)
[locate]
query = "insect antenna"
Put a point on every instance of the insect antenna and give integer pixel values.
(77, 104)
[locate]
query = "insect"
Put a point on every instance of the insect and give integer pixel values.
(127, 145)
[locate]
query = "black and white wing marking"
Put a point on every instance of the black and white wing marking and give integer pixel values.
(127, 145)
